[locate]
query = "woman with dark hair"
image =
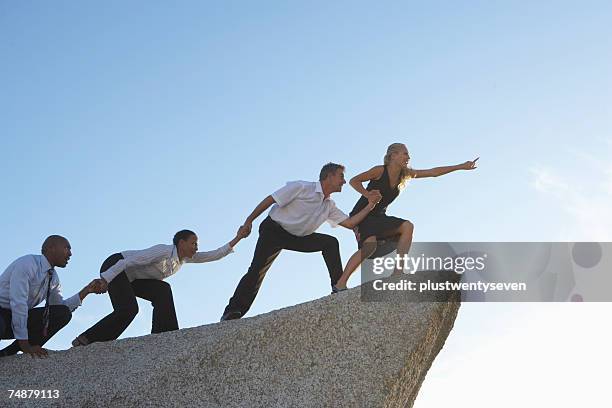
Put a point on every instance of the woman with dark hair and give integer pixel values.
(378, 227)
(140, 273)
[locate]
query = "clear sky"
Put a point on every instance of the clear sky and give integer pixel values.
(123, 123)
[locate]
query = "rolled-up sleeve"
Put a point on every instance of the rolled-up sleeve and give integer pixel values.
(335, 216)
(20, 286)
(287, 194)
(209, 256)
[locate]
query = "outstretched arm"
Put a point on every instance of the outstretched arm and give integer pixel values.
(440, 171)
(353, 221)
(261, 207)
(373, 174)
(221, 252)
(95, 286)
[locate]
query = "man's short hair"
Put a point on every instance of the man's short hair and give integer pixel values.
(51, 241)
(182, 235)
(328, 169)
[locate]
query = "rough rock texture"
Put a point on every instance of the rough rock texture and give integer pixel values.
(331, 352)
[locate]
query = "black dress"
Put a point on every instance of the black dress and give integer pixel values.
(377, 222)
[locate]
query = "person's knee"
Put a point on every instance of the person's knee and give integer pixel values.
(61, 315)
(254, 271)
(369, 246)
(129, 312)
(163, 287)
(164, 293)
(330, 243)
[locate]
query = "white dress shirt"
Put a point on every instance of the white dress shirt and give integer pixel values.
(23, 285)
(158, 262)
(301, 208)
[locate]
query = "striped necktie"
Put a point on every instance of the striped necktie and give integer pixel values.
(45, 329)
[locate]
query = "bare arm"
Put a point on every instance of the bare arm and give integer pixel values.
(241, 233)
(373, 196)
(238, 237)
(353, 221)
(261, 207)
(373, 174)
(440, 171)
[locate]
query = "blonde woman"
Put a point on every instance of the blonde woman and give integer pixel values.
(386, 180)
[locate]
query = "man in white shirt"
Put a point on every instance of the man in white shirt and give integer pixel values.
(140, 273)
(28, 281)
(298, 209)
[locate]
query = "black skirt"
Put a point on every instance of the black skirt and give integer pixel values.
(380, 225)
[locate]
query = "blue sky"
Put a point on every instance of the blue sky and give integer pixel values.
(123, 123)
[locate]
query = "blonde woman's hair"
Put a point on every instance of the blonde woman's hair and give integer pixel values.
(406, 172)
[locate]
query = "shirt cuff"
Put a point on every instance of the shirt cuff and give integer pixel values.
(73, 302)
(20, 327)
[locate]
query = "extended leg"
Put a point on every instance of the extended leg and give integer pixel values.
(125, 309)
(367, 249)
(326, 244)
(266, 252)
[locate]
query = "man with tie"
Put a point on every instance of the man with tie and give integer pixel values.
(27, 282)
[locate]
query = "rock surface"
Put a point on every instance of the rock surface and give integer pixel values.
(331, 352)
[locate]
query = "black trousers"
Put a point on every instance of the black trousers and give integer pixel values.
(123, 295)
(272, 240)
(59, 316)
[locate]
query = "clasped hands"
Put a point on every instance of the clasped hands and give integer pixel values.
(97, 286)
(373, 197)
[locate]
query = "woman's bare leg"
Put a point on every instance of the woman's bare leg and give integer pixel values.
(367, 249)
(404, 243)
(406, 230)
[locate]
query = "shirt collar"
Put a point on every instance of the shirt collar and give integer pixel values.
(44, 263)
(319, 189)
(174, 255)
